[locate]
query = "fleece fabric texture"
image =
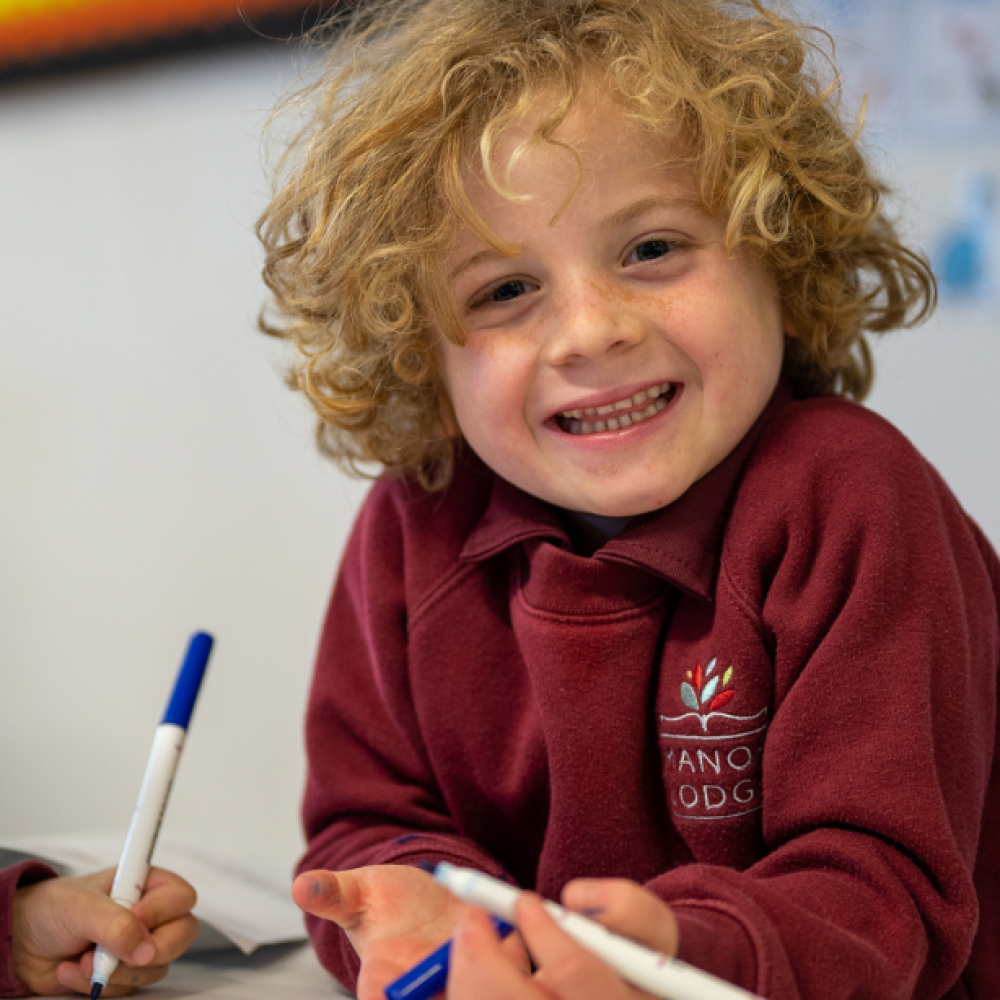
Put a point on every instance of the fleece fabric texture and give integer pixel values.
(26, 873)
(772, 702)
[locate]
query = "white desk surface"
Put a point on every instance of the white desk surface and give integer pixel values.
(274, 971)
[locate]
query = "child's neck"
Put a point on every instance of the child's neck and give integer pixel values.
(588, 532)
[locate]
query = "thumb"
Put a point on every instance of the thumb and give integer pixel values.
(333, 896)
(625, 908)
(115, 928)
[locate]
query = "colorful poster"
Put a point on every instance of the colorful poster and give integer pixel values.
(869, 38)
(955, 68)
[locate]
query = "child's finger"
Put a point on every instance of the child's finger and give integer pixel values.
(75, 977)
(625, 908)
(106, 923)
(566, 969)
(480, 969)
(378, 971)
(127, 978)
(103, 879)
(174, 938)
(333, 896)
(165, 897)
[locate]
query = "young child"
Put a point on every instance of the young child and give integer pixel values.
(48, 928)
(641, 595)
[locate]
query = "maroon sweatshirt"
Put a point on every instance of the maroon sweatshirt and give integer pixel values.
(26, 873)
(772, 702)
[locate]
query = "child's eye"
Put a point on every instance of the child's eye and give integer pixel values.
(504, 292)
(650, 250)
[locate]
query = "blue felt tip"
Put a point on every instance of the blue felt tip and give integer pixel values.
(188, 683)
(431, 975)
(95, 991)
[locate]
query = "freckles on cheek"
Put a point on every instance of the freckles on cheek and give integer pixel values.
(484, 348)
(663, 309)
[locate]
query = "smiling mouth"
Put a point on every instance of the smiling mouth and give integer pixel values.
(617, 416)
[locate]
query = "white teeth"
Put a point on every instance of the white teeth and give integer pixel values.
(577, 425)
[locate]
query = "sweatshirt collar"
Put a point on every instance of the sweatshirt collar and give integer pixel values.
(680, 543)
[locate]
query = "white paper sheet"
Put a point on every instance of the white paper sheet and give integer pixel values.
(285, 971)
(246, 904)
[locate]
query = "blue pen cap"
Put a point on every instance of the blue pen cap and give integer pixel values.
(188, 682)
(431, 975)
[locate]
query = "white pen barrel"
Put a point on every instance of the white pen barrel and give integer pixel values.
(492, 895)
(649, 970)
(145, 826)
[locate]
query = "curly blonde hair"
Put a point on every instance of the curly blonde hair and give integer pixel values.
(370, 192)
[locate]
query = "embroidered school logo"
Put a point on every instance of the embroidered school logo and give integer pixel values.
(701, 688)
(711, 757)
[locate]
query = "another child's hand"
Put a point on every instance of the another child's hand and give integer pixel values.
(481, 971)
(57, 923)
(394, 915)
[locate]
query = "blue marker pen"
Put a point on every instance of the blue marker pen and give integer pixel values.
(429, 976)
(167, 745)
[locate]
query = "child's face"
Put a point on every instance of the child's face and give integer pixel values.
(627, 292)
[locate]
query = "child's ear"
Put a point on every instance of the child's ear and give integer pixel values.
(446, 413)
(788, 327)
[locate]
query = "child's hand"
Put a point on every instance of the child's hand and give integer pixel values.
(57, 922)
(481, 971)
(394, 915)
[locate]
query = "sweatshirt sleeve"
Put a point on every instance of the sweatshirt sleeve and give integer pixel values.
(11, 879)
(371, 796)
(873, 593)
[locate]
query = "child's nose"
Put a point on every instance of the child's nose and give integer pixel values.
(589, 327)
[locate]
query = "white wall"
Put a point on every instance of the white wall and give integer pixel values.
(156, 476)
(939, 382)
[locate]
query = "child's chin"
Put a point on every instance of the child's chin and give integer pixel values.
(629, 506)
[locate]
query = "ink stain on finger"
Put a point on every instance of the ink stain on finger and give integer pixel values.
(324, 891)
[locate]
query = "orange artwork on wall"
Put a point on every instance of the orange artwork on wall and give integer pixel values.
(41, 35)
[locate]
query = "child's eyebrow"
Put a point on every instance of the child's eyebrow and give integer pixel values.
(489, 253)
(629, 213)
